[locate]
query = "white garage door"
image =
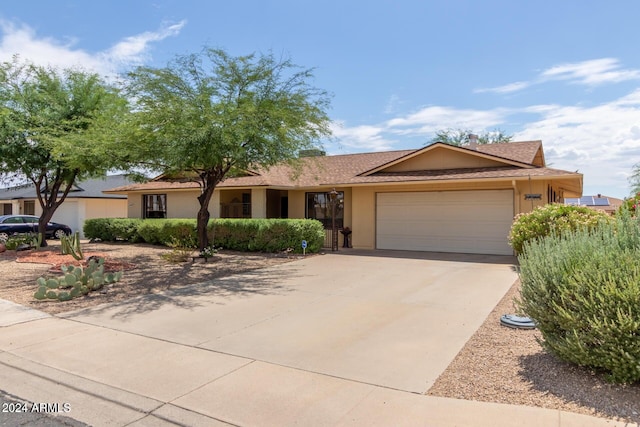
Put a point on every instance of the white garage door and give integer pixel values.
(67, 214)
(445, 221)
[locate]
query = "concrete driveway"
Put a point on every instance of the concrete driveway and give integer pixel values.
(394, 319)
(337, 339)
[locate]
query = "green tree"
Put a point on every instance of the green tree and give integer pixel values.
(634, 179)
(460, 137)
(53, 125)
(207, 115)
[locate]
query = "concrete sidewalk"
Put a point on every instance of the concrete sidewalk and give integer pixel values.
(333, 340)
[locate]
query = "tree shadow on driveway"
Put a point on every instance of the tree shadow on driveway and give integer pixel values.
(216, 291)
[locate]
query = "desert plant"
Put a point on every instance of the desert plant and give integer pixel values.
(75, 281)
(36, 240)
(182, 246)
(16, 241)
(70, 245)
(552, 218)
(208, 252)
(582, 288)
(630, 204)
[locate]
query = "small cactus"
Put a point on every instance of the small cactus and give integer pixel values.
(70, 245)
(75, 281)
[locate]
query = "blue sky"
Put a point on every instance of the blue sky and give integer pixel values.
(566, 72)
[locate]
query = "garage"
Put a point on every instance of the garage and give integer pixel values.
(67, 213)
(445, 221)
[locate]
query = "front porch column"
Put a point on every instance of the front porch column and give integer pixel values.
(258, 203)
(214, 204)
(15, 207)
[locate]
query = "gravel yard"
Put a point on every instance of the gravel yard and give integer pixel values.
(145, 271)
(504, 365)
(497, 364)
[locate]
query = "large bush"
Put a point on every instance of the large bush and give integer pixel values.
(113, 229)
(583, 290)
(267, 235)
(264, 235)
(553, 218)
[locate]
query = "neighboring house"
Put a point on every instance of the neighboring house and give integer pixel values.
(603, 203)
(437, 198)
(85, 200)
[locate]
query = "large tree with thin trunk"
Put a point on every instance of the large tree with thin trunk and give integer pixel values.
(207, 115)
(53, 129)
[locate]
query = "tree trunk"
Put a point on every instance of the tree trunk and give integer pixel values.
(203, 214)
(45, 218)
(201, 227)
(49, 200)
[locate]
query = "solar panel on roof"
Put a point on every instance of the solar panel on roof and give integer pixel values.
(586, 200)
(571, 201)
(601, 201)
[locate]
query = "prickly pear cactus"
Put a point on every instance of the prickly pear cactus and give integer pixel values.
(75, 281)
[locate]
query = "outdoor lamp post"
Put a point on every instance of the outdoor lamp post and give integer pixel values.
(333, 200)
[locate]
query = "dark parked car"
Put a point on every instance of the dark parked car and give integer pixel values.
(22, 224)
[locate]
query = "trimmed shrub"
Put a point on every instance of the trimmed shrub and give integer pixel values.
(267, 235)
(583, 290)
(553, 218)
(258, 235)
(164, 231)
(113, 229)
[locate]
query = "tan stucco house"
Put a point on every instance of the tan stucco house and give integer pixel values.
(437, 198)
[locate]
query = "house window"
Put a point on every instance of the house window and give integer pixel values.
(319, 207)
(29, 207)
(154, 205)
(246, 205)
(7, 209)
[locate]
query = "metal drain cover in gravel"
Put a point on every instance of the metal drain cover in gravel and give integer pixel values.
(517, 322)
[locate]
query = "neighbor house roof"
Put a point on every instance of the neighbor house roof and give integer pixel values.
(599, 202)
(89, 188)
(521, 159)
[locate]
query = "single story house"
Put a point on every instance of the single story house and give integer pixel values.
(85, 200)
(438, 198)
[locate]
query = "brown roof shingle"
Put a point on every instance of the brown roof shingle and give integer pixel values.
(345, 169)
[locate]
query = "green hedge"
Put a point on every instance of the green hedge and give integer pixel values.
(263, 235)
(267, 235)
(113, 229)
(583, 290)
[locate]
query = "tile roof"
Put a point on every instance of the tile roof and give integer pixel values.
(346, 168)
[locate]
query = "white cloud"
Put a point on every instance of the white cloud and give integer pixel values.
(602, 141)
(433, 118)
(593, 72)
(361, 138)
(508, 88)
(134, 50)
